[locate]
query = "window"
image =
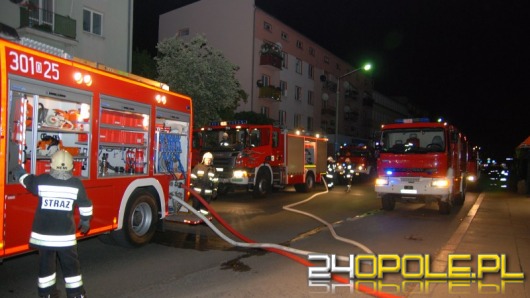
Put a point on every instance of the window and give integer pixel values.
(310, 97)
(267, 26)
(44, 14)
(312, 51)
(265, 80)
(284, 36)
(309, 123)
(298, 65)
(282, 117)
(310, 71)
(299, 44)
(298, 93)
(183, 32)
(326, 59)
(92, 22)
(297, 120)
(265, 111)
(283, 87)
(284, 60)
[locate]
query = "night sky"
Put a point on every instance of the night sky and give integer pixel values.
(462, 60)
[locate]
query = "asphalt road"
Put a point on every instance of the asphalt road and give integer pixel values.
(193, 261)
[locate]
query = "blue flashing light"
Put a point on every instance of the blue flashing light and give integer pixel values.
(389, 172)
(413, 120)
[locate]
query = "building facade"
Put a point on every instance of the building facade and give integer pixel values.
(98, 31)
(288, 77)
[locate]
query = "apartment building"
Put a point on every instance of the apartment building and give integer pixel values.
(95, 30)
(288, 77)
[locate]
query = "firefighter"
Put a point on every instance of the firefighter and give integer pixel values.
(204, 180)
(331, 172)
(53, 231)
(349, 171)
(224, 141)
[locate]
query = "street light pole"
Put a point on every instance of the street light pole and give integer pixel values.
(366, 67)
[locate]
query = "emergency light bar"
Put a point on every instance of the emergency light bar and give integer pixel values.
(412, 120)
(225, 123)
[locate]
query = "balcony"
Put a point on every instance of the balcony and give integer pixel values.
(271, 55)
(47, 21)
(270, 92)
(271, 60)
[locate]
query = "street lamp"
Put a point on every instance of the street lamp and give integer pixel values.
(366, 67)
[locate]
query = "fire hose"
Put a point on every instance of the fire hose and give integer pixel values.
(289, 252)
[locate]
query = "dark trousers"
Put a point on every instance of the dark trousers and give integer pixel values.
(70, 267)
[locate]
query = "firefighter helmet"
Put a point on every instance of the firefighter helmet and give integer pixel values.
(207, 156)
(62, 161)
(330, 159)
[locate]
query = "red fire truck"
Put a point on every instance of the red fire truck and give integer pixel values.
(129, 138)
(362, 158)
(261, 157)
(421, 161)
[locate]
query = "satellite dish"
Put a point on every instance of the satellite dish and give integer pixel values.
(325, 96)
(279, 45)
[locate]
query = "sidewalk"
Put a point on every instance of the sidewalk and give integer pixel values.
(498, 223)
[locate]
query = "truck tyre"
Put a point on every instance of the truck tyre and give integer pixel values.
(139, 222)
(444, 207)
(461, 196)
(262, 185)
(307, 186)
(388, 203)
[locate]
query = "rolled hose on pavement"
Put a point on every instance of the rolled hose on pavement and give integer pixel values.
(272, 247)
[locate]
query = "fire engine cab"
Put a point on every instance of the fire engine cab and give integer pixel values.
(421, 161)
(261, 157)
(361, 156)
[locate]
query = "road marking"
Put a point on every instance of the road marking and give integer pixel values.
(440, 262)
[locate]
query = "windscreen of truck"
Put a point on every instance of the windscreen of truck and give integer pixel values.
(413, 140)
(216, 139)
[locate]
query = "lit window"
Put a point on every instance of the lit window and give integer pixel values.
(92, 22)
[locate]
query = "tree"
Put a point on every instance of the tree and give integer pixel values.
(143, 64)
(198, 70)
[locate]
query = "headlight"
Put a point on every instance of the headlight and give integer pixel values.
(240, 174)
(381, 181)
(471, 178)
(440, 183)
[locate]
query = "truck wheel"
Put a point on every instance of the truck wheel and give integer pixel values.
(444, 207)
(460, 197)
(139, 222)
(307, 186)
(388, 203)
(262, 185)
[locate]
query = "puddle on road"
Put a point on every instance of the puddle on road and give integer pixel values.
(192, 241)
(205, 243)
